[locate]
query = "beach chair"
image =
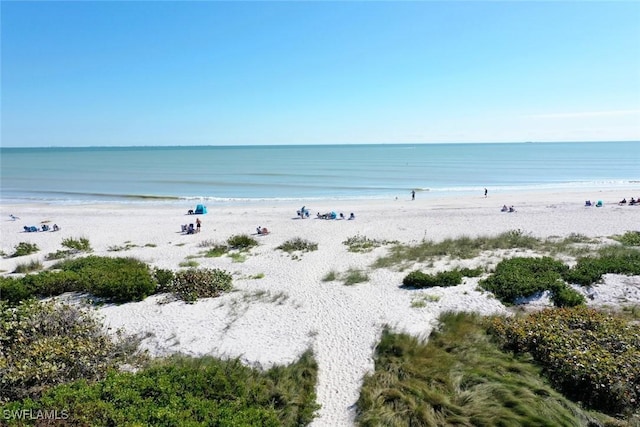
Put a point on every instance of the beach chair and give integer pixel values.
(599, 204)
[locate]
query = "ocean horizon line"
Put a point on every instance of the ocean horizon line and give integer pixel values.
(328, 144)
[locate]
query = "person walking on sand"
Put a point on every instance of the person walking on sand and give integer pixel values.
(485, 192)
(413, 194)
(198, 224)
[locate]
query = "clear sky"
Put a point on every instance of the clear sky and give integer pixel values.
(226, 73)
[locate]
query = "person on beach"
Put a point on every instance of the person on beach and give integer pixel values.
(485, 192)
(198, 224)
(413, 194)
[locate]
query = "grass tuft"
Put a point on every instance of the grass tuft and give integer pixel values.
(458, 377)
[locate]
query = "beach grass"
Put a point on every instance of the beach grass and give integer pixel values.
(189, 264)
(401, 256)
(459, 377)
(360, 243)
(330, 276)
(354, 276)
(28, 267)
(24, 248)
(241, 242)
(298, 244)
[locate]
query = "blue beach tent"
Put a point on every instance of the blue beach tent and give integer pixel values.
(200, 209)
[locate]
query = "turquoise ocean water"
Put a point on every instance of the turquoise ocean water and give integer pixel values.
(232, 174)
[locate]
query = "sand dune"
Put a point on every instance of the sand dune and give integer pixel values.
(280, 305)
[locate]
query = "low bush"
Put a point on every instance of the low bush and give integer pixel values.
(590, 356)
(52, 283)
(182, 391)
(189, 285)
(116, 279)
(24, 248)
(14, 290)
(471, 272)
(564, 296)
(46, 344)
(518, 278)
(298, 244)
(630, 238)
(163, 278)
(418, 279)
(589, 270)
(241, 242)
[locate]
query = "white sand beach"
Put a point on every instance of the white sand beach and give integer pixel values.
(280, 305)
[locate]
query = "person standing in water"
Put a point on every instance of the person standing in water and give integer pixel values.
(413, 194)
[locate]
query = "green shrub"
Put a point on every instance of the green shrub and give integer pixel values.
(298, 244)
(471, 272)
(418, 279)
(189, 285)
(181, 391)
(589, 270)
(163, 278)
(564, 296)
(241, 242)
(517, 278)
(45, 344)
(591, 356)
(24, 248)
(117, 279)
(52, 283)
(12, 291)
(630, 238)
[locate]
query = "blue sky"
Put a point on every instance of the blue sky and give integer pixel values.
(231, 73)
